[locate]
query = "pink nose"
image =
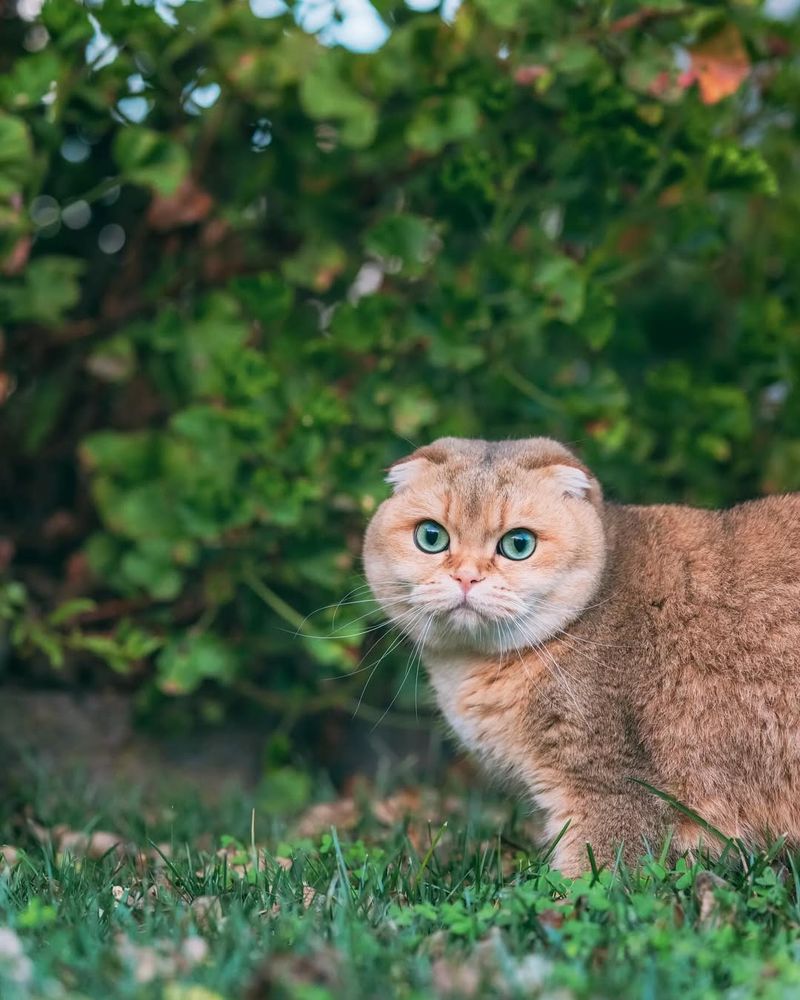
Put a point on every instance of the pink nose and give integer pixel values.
(466, 579)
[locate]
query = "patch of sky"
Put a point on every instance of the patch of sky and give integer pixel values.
(782, 10)
(133, 109)
(200, 97)
(268, 8)
(74, 149)
(100, 49)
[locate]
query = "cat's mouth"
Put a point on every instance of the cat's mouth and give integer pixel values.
(466, 613)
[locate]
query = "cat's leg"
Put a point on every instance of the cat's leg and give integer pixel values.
(625, 823)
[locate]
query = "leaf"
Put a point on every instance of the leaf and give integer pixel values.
(707, 886)
(719, 65)
(443, 121)
(49, 287)
(151, 568)
(133, 456)
(264, 296)
(144, 511)
(343, 813)
(285, 790)
(325, 94)
(190, 204)
(16, 153)
(190, 991)
(151, 159)
(71, 609)
(30, 81)
(503, 13)
(563, 284)
(113, 361)
(732, 168)
(409, 238)
(186, 661)
(413, 409)
(316, 265)
(207, 912)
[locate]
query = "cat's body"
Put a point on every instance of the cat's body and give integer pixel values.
(657, 643)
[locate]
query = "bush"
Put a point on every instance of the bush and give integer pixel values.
(243, 271)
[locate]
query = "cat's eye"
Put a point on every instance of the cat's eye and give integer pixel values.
(431, 537)
(519, 543)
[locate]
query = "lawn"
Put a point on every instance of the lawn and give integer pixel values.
(415, 894)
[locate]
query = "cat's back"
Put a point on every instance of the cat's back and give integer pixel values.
(766, 536)
(714, 590)
(684, 549)
(707, 606)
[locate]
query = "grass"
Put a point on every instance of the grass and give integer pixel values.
(200, 904)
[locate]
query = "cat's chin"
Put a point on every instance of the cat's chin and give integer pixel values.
(464, 630)
(466, 618)
(468, 630)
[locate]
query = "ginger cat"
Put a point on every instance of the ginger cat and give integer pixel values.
(575, 644)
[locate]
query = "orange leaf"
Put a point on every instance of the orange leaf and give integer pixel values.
(188, 205)
(525, 75)
(720, 65)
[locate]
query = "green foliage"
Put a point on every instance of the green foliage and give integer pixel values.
(528, 221)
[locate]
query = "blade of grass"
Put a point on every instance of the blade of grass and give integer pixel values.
(726, 841)
(428, 855)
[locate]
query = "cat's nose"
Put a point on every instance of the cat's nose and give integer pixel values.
(466, 579)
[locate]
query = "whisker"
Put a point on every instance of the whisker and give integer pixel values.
(396, 642)
(326, 607)
(550, 661)
(399, 689)
(334, 633)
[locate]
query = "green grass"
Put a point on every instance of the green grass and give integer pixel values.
(393, 907)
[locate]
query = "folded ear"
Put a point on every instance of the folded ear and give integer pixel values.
(405, 471)
(577, 482)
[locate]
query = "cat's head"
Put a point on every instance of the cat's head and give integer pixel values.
(486, 546)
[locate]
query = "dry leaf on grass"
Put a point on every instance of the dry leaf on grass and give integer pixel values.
(9, 856)
(552, 918)
(79, 844)
(134, 897)
(163, 959)
(207, 911)
(343, 814)
(425, 807)
(704, 885)
(490, 970)
(287, 974)
(93, 845)
(453, 978)
(397, 807)
(240, 863)
(14, 963)
(309, 895)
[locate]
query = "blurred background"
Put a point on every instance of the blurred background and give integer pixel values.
(252, 253)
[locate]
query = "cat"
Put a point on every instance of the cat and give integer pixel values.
(587, 649)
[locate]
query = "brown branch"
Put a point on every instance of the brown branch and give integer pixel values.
(297, 706)
(641, 17)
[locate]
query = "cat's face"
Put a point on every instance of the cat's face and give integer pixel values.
(486, 546)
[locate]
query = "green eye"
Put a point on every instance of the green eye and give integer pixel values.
(517, 544)
(431, 537)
